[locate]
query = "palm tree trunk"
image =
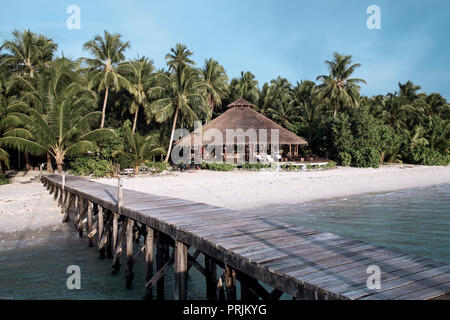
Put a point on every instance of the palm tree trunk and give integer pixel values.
(135, 120)
(211, 108)
(104, 107)
(49, 163)
(60, 167)
(171, 136)
(27, 161)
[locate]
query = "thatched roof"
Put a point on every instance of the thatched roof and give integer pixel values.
(241, 115)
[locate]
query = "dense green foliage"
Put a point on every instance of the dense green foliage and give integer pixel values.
(3, 180)
(255, 166)
(218, 166)
(107, 111)
(157, 167)
(87, 165)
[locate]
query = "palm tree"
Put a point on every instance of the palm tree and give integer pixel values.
(59, 119)
(108, 52)
(246, 86)
(179, 57)
(436, 105)
(216, 81)
(284, 115)
(337, 87)
(140, 75)
(28, 51)
(266, 99)
(308, 107)
(139, 148)
(180, 92)
(281, 96)
(408, 91)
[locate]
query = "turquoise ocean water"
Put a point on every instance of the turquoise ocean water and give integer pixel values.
(413, 221)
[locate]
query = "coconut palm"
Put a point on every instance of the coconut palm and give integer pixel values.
(140, 75)
(178, 93)
(216, 81)
(28, 51)
(139, 148)
(281, 96)
(284, 115)
(307, 106)
(26, 54)
(338, 88)
(108, 51)
(179, 57)
(246, 86)
(59, 120)
(408, 90)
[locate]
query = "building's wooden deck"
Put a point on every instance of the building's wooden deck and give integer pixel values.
(301, 262)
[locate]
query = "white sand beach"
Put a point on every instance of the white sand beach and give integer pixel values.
(29, 206)
(249, 189)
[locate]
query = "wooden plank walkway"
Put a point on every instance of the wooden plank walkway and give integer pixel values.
(301, 262)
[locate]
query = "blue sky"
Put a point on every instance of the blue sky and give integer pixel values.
(291, 38)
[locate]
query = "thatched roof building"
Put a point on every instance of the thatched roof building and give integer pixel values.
(241, 115)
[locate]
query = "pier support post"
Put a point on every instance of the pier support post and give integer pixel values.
(100, 231)
(89, 223)
(211, 278)
(247, 283)
(109, 253)
(129, 270)
(81, 213)
(118, 249)
(180, 267)
(70, 202)
(115, 229)
(162, 256)
(149, 241)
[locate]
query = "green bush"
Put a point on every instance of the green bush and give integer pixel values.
(330, 165)
(429, 157)
(86, 165)
(157, 167)
(366, 158)
(215, 166)
(256, 166)
(345, 159)
(3, 180)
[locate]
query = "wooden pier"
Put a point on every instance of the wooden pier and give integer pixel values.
(300, 262)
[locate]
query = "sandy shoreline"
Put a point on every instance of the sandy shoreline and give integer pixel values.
(29, 206)
(239, 190)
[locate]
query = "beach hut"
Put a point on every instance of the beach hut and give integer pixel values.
(242, 117)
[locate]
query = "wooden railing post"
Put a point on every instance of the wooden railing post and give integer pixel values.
(119, 195)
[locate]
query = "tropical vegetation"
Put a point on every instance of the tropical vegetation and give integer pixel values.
(104, 112)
